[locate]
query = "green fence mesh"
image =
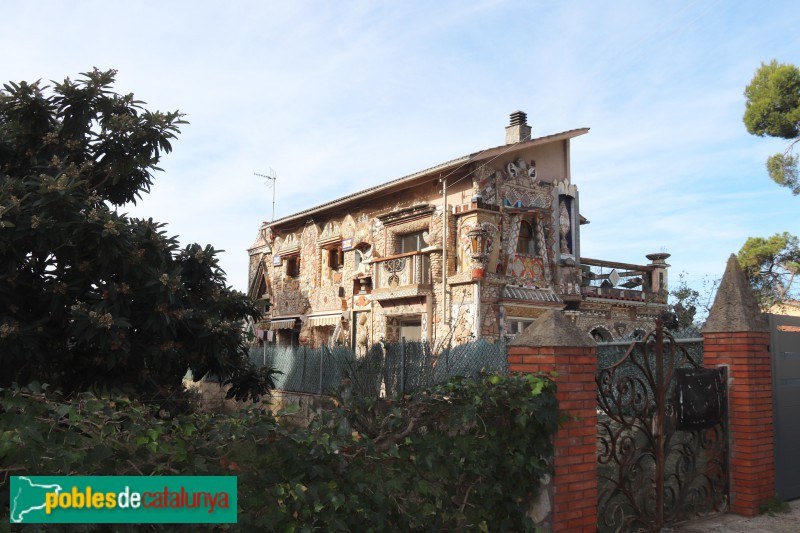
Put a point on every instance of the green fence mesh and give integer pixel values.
(386, 369)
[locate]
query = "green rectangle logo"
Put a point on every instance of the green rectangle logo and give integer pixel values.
(123, 499)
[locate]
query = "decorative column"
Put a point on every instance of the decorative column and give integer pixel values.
(554, 344)
(737, 336)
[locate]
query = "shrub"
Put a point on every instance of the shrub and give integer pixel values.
(467, 455)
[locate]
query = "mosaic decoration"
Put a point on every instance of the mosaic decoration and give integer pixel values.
(288, 300)
(395, 267)
(543, 248)
(521, 172)
(389, 327)
(492, 232)
(526, 267)
(567, 193)
(433, 237)
(255, 260)
(330, 233)
(462, 312)
(363, 229)
(464, 327)
(365, 256)
(569, 281)
(362, 300)
(566, 188)
(348, 228)
(310, 263)
(564, 228)
(290, 244)
(521, 189)
(362, 336)
(490, 325)
(525, 199)
(513, 235)
(486, 184)
(325, 299)
(415, 306)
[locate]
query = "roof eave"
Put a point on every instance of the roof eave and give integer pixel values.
(366, 193)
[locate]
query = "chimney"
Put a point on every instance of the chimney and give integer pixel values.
(518, 130)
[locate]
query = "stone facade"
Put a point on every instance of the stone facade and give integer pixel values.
(476, 247)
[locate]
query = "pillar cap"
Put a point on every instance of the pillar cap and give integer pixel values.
(735, 307)
(554, 329)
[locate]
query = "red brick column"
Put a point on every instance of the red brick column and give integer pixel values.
(750, 429)
(575, 459)
(737, 336)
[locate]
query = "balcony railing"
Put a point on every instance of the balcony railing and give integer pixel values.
(402, 270)
(621, 281)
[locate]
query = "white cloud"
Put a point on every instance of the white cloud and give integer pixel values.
(341, 96)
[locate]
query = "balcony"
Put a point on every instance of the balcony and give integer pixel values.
(401, 275)
(623, 281)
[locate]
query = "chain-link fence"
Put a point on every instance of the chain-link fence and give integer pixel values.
(387, 369)
(609, 353)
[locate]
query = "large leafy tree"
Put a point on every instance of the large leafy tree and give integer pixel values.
(771, 265)
(773, 109)
(88, 296)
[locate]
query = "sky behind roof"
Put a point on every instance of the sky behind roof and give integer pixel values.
(337, 97)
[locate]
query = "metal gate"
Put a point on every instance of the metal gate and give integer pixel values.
(662, 439)
(785, 347)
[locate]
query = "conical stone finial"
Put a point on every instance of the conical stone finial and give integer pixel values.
(735, 307)
(553, 329)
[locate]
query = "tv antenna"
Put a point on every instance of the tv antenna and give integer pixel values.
(274, 177)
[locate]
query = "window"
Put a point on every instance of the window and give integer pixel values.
(526, 242)
(411, 242)
(515, 326)
(335, 258)
(293, 267)
(411, 330)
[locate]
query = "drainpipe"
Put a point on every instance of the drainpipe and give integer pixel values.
(444, 252)
(478, 310)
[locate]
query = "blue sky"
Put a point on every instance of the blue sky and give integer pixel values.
(340, 96)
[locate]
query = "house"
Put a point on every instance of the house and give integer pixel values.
(478, 246)
(788, 307)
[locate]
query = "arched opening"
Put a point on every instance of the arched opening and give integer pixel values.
(526, 242)
(601, 334)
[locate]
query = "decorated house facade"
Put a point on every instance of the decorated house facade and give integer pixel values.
(476, 247)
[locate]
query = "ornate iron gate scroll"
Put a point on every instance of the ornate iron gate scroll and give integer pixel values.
(662, 439)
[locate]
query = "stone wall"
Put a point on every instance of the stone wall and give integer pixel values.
(211, 398)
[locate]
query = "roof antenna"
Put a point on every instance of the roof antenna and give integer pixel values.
(274, 177)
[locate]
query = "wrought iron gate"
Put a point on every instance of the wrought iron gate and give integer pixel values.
(662, 439)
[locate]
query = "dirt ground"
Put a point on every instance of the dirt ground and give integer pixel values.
(730, 523)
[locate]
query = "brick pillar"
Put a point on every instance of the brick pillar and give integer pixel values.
(553, 343)
(737, 336)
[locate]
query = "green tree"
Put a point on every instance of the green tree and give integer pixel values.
(88, 296)
(689, 306)
(773, 109)
(771, 265)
